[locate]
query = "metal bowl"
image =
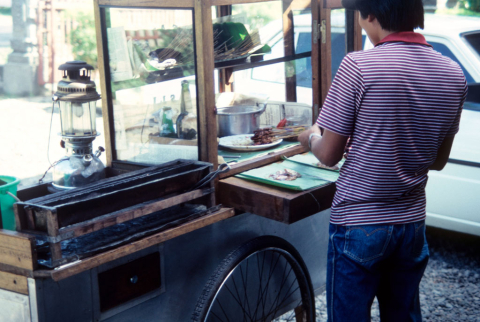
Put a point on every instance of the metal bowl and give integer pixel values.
(241, 119)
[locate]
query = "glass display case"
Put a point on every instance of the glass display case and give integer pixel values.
(194, 79)
(151, 76)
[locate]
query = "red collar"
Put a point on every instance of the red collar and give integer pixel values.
(405, 36)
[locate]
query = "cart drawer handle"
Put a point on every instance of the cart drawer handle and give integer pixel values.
(134, 279)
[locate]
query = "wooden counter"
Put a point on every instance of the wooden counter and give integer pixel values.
(279, 204)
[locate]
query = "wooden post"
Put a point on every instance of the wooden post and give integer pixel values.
(205, 82)
(52, 229)
(106, 111)
(225, 74)
(289, 50)
(13, 282)
(326, 52)
(17, 250)
(358, 39)
(316, 61)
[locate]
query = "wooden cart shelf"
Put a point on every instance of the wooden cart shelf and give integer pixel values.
(279, 204)
(14, 244)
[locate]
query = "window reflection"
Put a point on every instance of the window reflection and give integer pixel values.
(153, 84)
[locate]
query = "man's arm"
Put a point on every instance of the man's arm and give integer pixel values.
(328, 149)
(442, 154)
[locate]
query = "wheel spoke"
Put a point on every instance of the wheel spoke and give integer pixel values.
(258, 281)
(236, 300)
(285, 298)
(260, 276)
(221, 307)
(291, 314)
(264, 292)
(284, 280)
(238, 295)
(245, 281)
(216, 315)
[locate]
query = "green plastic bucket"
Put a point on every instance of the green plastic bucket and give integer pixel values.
(8, 184)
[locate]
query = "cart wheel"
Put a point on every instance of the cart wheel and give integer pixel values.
(263, 280)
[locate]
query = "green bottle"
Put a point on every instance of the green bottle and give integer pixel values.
(167, 123)
(185, 105)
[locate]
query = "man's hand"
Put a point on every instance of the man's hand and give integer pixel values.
(303, 137)
(329, 149)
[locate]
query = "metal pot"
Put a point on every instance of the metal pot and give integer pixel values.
(242, 119)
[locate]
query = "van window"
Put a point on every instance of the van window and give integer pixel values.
(444, 50)
(304, 43)
(474, 41)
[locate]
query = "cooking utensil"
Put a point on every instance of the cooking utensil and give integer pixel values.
(241, 119)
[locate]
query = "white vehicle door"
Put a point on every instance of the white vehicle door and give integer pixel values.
(453, 194)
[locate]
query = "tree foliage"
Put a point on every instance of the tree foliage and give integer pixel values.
(472, 5)
(82, 37)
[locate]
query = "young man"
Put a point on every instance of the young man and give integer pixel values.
(395, 109)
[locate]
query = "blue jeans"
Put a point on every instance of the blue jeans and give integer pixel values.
(386, 261)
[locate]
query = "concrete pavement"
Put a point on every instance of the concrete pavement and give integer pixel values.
(24, 137)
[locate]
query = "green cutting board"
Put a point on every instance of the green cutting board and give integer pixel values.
(311, 177)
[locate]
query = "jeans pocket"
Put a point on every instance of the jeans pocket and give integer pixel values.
(420, 239)
(364, 243)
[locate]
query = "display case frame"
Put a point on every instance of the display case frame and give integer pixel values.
(205, 66)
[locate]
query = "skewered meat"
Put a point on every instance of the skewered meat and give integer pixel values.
(262, 136)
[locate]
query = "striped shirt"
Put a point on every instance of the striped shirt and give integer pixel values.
(396, 102)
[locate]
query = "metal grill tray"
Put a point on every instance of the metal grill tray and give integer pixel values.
(113, 194)
(120, 234)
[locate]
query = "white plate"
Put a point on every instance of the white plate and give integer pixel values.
(243, 143)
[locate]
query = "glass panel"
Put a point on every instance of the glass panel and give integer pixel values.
(244, 33)
(337, 29)
(282, 74)
(269, 80)
(153, 84)
(78, 119)
(338, 39)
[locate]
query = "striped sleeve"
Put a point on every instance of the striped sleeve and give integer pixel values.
(343, 99)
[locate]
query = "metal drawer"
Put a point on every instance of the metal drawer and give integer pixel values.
(129, 281)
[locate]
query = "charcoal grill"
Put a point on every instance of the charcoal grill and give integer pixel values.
(74, 213)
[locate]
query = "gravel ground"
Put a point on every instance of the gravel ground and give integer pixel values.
(450, 288)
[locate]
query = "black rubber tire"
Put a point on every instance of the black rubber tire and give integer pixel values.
(261, 245)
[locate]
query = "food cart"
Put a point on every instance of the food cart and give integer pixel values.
(186, 226)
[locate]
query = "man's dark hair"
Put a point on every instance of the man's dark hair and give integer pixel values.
(393, 15)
